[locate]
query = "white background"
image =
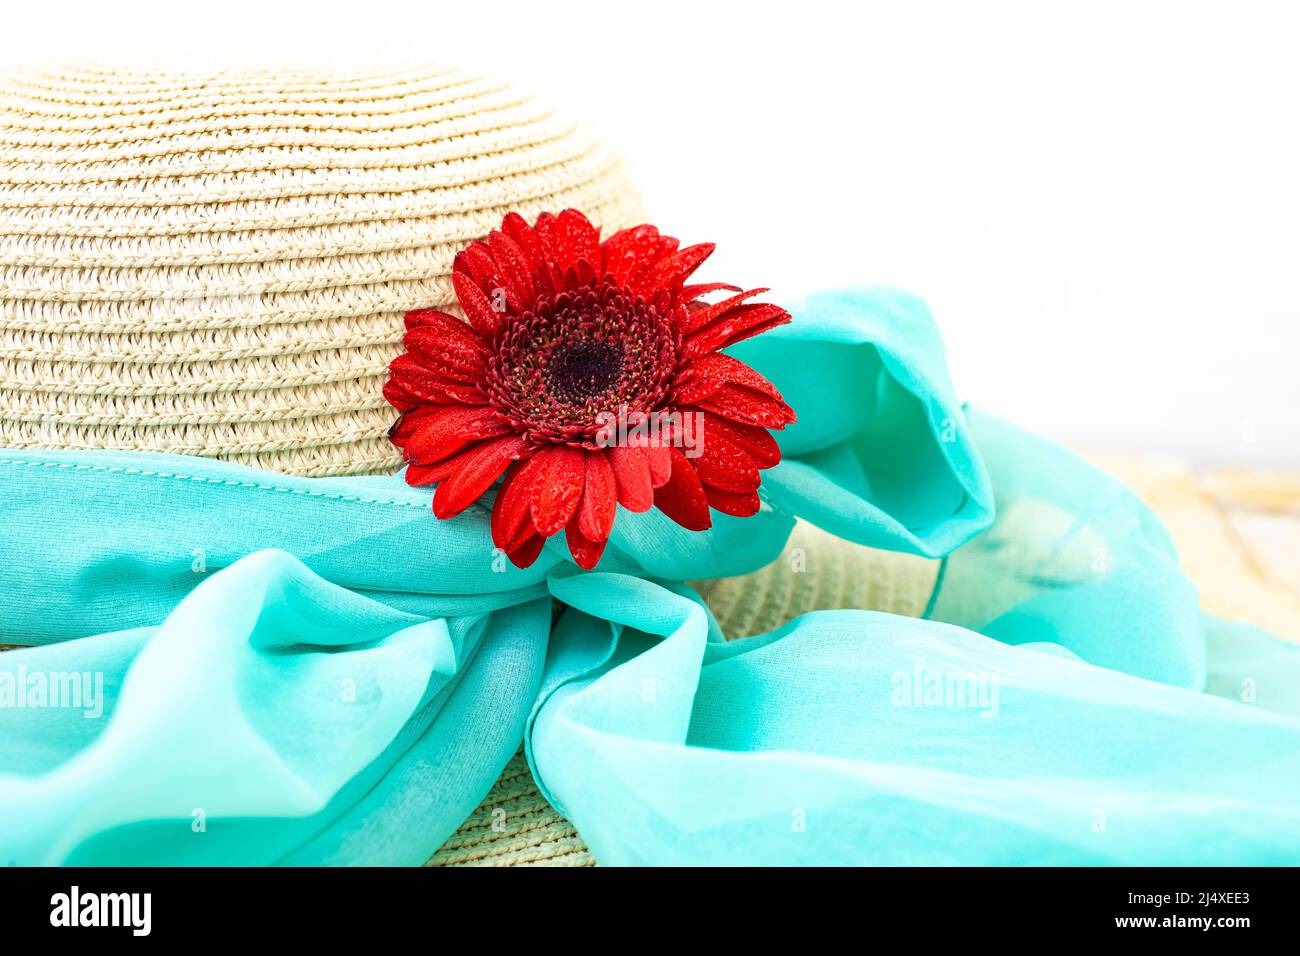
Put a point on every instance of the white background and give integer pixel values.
(1098, 201)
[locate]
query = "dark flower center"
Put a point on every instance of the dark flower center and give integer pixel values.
(572, 357)
(582, 370)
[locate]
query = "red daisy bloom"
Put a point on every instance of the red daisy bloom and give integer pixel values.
(567, 334)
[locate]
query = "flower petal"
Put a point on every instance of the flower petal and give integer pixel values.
(692, 292)
(670, 272)
(629, 252)
(737, 505)
(423, 474)
(516, 227)
(599, 499)
(736, 326)
(632, 477)
(661, 464)
(420, 317)
(581, 273)
(494, 278)
(557, 490)
(682, 498)
(576, 239)
(514, 266)
(476, 261)
(512, 518)
(487, 321)
(756, 441)
(711, 313)
(526, 553)
(398, 397)
(748, 407)
(585, 551)
(544, 229)
(725, 465)
(457, 357)
(473, 471)
(430, 386)
(409, 422)
(695, 389)
(704, 375)
(451, 429)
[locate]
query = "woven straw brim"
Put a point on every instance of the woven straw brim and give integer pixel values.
(218, 263)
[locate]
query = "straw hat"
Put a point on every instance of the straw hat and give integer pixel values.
(217, 263)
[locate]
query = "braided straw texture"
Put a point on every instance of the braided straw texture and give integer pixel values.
(217, 263)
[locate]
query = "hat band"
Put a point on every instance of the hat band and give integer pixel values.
(325, 673)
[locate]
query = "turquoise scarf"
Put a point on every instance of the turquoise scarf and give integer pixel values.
(316, 671)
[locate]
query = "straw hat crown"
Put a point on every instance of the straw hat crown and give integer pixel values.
(218, 263)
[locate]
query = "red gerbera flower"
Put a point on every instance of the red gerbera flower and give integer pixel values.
(567, 335)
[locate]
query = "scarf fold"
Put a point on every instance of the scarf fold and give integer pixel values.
(317, 671)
